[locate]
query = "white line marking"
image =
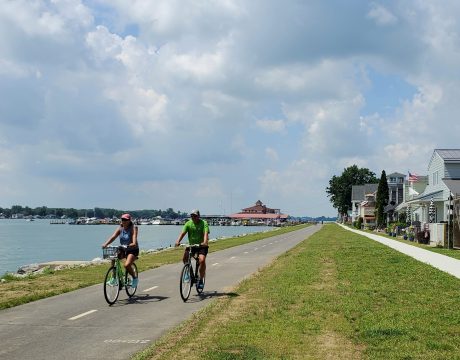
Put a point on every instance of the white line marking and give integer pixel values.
(81, 315)
(152, 288)
(215, 264)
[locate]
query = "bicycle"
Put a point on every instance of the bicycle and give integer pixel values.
(116, 277)
(189, 276)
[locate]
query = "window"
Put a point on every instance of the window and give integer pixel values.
(435, 178)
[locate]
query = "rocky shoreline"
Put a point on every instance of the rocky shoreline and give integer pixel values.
(39, 268)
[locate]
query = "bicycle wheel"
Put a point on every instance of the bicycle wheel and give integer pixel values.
(111, 286)
(130, 289)
(185, 285)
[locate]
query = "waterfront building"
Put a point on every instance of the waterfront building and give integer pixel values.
(260, 214)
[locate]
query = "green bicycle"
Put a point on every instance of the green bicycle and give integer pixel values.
(116, 277)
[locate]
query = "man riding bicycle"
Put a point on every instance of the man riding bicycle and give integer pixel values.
(198, 233)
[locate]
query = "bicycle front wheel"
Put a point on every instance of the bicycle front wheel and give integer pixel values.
(130, 289)
(185, 282)
(111, 286)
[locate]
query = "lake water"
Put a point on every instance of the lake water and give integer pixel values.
(28, 242)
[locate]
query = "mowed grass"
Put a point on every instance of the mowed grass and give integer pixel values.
(337, 295)
(15, 291)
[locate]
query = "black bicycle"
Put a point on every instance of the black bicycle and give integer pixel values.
(189, 275)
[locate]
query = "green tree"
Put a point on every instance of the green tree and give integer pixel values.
(339, 189)
(382, 199)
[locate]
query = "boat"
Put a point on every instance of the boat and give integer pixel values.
(158, 221)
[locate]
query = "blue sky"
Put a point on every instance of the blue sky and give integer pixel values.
(217, 104)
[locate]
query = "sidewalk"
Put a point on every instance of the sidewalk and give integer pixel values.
(441, 262)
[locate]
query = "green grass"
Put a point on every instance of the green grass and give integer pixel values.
(453, 253)
(337, 295)
(15, 290)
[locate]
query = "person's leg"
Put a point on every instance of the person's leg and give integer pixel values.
(130, 258)
(185, 256)
(202, 261)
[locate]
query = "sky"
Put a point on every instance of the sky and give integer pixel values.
(216, 104)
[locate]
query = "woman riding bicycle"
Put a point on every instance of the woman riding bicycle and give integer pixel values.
(127, 232)
(198, 232)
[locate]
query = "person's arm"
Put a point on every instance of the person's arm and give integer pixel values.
(205, 239)
(206, 235)
(134, 237)
(110, 239)
(181, 236)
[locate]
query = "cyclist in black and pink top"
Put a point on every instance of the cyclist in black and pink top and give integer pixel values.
(127, 232)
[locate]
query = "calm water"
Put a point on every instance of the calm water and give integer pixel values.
(28, 242)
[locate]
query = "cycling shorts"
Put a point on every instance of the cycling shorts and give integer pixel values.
(124, 252)
(201, 250)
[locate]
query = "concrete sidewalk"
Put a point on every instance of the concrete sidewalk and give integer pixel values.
(441, 262)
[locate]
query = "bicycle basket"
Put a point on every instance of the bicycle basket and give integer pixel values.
(110, 252)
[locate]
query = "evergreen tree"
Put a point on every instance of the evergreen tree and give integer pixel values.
(382, 199)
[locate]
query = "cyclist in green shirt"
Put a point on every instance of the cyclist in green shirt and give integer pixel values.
(197, 230)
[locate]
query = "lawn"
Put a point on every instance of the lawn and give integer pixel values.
(337, 295)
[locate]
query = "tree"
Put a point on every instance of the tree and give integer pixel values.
(339, 190)
(382, 199)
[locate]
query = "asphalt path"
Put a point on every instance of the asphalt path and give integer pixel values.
(80, 324)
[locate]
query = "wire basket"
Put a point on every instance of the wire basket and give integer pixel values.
(110, 252)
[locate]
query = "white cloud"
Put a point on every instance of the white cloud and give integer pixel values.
(381, 15)
(176, 99)
(272, 154)
(275, 126)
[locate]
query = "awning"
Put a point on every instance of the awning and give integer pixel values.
(436, 195)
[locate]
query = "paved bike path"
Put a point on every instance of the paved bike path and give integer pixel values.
(80, 324)
(439, 261)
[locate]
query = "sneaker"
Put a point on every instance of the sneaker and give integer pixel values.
(200, 284)
(112, 282)
(135, 282)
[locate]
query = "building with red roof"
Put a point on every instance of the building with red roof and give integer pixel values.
(260, 212)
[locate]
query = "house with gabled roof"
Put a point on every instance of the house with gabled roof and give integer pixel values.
(362, 205)
(435, 203)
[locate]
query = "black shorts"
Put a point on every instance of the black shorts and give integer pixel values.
(201, 250)
(124, 252)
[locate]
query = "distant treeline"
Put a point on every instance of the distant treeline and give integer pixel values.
(96, 212)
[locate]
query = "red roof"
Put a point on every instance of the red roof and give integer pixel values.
(258, 216)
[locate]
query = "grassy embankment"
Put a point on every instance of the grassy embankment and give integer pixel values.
(337, 295)
(15, 291)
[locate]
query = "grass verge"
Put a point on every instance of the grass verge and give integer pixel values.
(453, 253)
(337, 295)
(15, 291)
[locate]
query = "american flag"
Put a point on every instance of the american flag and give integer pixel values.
(413, 177)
